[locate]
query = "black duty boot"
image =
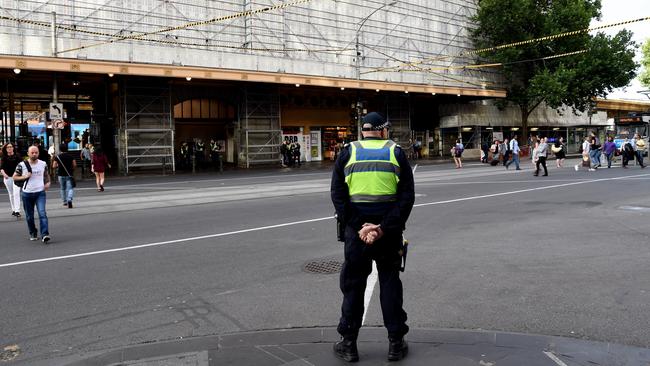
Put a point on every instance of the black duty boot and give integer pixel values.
(397, 349)
(346, 350)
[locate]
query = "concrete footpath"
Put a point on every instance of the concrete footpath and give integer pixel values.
(313, 346)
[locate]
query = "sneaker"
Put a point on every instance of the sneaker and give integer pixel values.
(576, 168)
(33, 237)
(17, 214)
(46, 239)
(65, 204)
(592, 169)
(69, 204)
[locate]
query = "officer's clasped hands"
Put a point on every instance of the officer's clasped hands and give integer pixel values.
(370, 233)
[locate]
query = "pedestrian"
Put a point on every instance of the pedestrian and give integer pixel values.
(594, 151)
(295, 153)
(10, 159)
(609, 148)
(458, 154)
(542, 154)
(36, 181)
(65, 165)
(373, 194)
(99, 165)
(514, 148)
(505, 151)
(559, 149)
(484, 152)
(586, 161)
(627, 152)
(85, 156)
(215, 156)
(639, 149)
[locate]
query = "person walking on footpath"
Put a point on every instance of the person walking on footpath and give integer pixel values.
(609, 148)
(99, 165)
(559, 149)
(505, 151)
(85, 156)
(65, 164)
(627, 152)
(514, 149)
(36, 181)
(457, 153)
(594, 151)
(586, 161)
(373, 194)
(639, 148)
(8, 163)
(542, 154)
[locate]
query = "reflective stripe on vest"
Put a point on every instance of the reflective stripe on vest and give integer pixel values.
(372, 173)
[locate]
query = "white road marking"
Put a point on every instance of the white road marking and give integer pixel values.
(555, 358)
(370, 287)
(49, 259)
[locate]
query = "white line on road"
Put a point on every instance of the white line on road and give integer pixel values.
(555, 358)
(164, 242)
(49, 259)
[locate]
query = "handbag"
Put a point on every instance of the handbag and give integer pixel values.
(556, 149)
(72, 180)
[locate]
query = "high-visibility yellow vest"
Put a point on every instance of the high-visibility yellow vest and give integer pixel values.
(372, 173)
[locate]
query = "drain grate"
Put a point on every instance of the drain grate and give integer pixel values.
(323, 267)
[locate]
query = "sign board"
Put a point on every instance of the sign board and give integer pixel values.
(56, 111)
(497, 136)
(58, 124)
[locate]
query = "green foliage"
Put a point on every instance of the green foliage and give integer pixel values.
(571, 80)
(645, 62)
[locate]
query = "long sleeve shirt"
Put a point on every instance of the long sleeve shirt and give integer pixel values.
(394, 214)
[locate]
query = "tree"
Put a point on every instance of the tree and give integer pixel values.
(573, 80)
(645, 62)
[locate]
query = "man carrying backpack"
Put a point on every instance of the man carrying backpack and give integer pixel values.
(33, 174)
(627, 151)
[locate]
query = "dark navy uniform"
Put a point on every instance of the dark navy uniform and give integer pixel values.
(392, 216)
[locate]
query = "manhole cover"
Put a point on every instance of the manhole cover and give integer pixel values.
(323, 267)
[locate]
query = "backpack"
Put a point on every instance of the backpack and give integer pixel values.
(628, 148)
(22, 183)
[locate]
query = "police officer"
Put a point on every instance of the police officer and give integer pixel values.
(215, 155)
(373, 194)
(199, 153)
(185, 155)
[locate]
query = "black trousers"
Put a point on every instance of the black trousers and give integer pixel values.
(354, 274)
(541, 160)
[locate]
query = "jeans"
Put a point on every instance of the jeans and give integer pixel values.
(609, 159)
(29, 201)
(639, 157)
(541, 161)
(515, 159)
(67, 192)
(595, 157)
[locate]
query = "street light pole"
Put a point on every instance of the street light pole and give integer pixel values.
(357, 58)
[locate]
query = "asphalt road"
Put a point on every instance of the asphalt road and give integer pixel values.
(161, 258)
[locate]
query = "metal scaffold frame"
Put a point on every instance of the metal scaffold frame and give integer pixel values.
(344, 38)
(146, 135)
(261, 135)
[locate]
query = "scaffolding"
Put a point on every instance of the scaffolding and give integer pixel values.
(146, 133)
(344, 38)
(261, 135)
